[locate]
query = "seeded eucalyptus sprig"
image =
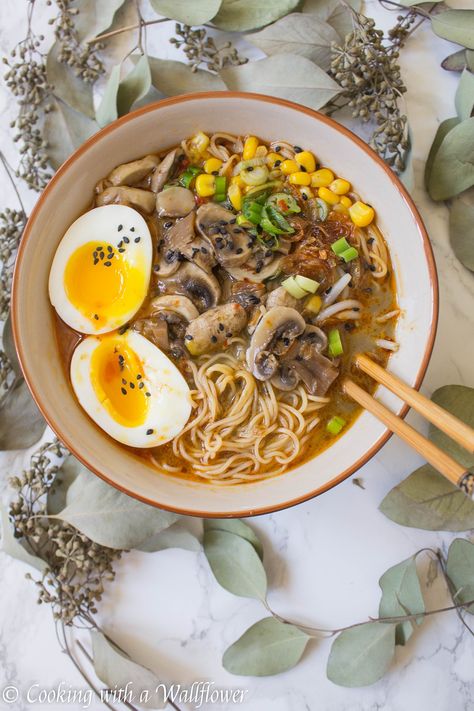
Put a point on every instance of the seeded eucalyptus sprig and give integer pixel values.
(200, 49)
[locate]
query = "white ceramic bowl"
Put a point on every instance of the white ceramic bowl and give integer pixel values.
(157, 127)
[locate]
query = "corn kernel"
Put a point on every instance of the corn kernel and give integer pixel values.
(250, 148)
(307, 160)
(340, 208)
(272, 158)
(289, 166)
(237, 180)
(347, 202)
(261, 152)
(340, 186)
(198, 144)
(322, 178)
(300, 178)
(306, 193)
(205, 185)
(361, 214)
(314, 304)
(328, 196)
(235, 196)
(212, 165)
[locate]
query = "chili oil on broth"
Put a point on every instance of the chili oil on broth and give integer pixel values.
(377, 297)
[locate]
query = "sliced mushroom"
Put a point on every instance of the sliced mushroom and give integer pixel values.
(272, 338)
(175, 202)
(247, 294)
(155, 329)
(164, 170)
(305, 361)
(180, 233)
(232, 244)
(132, 173)
(251, 271)
(169, 262)
(142, 200)
(280, 297)
(213, 328)
(174, 302)
(202, 288)
(201, 252)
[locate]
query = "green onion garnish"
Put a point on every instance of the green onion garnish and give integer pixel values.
(283, 202)
(252, 211)
(340, 246)
(335, 425)
(334, 343)
(349, 254)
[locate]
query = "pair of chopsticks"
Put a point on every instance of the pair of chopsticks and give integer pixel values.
(445, 421)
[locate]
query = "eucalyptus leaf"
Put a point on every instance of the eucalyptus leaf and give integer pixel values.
(411, 3)
(236, 526)
(118, 671)
(452, 170)
(57, 493)
(109, 517)
(173, 78)
(443, 129)
(176, 536)
(9, 347)
(94, 17)
(461, 231)
(285, 75)
(427, 500)
(189, 12)
(65, 130)
(470, 59)
(464, 98)
(241, 15)
(407, 176)
(107, 109)
(401, 595)
(455, 62)
(459, 401)
(456, 26)
(460, 570)
(235, 564)
(268, 647)
(67, 86)
(21, 423)
(361, 655)
(13, 547)
(334, 12)
(135, 85)
(304, 35)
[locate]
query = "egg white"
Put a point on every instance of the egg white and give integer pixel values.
(100, 225)
(169, 404)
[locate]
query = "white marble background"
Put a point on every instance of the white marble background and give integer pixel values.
(324, 558)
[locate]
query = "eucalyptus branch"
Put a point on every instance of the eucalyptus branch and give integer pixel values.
(127, 28)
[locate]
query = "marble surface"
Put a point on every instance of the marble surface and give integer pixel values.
(323, 558)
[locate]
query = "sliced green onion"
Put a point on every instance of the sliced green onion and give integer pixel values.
(252, 211)
(243, 222)
(252, 162)
(323, 209)
(261, 192)
(277, 218)
(349, 254)
(340, 246)
(221, 184)
(293, 288)
(255, 176)
(309, 285)
(335, 425)
(271, 242)
(334, 343)
(291, 205)
(186, 178)
(219, 197)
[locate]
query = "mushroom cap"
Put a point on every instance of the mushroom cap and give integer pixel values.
(230, 242)
(175, 202)
(132, 173)
(174, 302)
(248, 270)
(200, 287)
(212, 329)
(140, 199)
(273, 336)
(163, 170)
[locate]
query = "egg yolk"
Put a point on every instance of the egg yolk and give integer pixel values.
(103, 283)
(118, 380)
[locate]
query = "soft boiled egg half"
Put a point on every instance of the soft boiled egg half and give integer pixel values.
(130, 388)
(101, 270)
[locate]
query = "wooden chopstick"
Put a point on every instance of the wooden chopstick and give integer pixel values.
(445, 421)
(441, 461)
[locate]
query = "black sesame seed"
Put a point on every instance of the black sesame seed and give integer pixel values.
(204, 250)
(168, 224)
(237, 231)
(328, 290)
(126, 240)
(239, 250)
(221, 327)
(121, 250)
(370, 240)
(304, 196)
(137, 239)
(98, 248)
(94, 254)
(107, 264)
(249, 169)
(277, 163)
(188, 337)
(96, 316)
(132, 385)
(297, 149)
(349, 326)
(148, 394)
(229, 334)
(123, 391)
(277, 149)
(233, 221)
(96, 261)
(302, 168)
(124, 382)
(150, 432)
(120, 244)
(120, 228)
(139, 377)
(215, 172)
(249, 244)
(286, 341)
(132, 229)
(142, 385)
(102, 255)
(214, 339)
(372, 268)
(180, 257)
(223, 222)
